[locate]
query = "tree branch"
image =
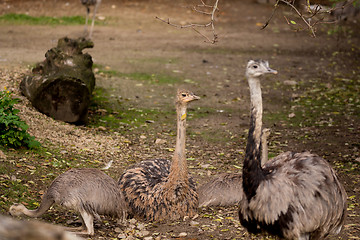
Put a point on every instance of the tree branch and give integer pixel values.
(195, 26)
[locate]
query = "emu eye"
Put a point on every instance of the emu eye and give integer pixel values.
(183, 94)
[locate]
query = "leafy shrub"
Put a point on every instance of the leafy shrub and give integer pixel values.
(12, 128)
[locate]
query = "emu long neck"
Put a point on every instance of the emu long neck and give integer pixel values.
(252, 172)
(33, 213)
(178, 170)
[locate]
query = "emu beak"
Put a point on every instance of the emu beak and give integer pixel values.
(272, 71)
(195, 97)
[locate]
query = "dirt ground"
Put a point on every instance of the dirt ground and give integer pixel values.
(129, 39)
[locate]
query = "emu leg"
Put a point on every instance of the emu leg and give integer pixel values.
(88, 220)
(93, 18)
(86, 20)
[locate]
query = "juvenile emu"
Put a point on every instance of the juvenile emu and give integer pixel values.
(160, 190)
(295, 195)
(88, 191)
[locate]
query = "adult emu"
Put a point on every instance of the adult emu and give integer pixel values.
(295, 195)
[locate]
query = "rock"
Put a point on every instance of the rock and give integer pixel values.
(148, 238)
(142, 233)
(182, 234)
(291, 115)
(140, 226)
(205, 165)
(160, 141)
(194, 223)
(290, 82)
(121, 236)
(132, 221)
(101, 128)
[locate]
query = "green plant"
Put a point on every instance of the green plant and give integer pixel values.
(12, 128)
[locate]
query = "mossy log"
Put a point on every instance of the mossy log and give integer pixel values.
(61, 85)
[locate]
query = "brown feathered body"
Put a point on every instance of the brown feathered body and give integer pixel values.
(160, 190)
(88, 191)
(295, 195)
(152, 196)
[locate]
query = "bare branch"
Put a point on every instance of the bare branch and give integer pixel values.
(195, 26)
(310, 27)
(272, 14)
(311, 14)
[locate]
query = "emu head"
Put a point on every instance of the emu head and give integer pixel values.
(257, 68)
(185, 96)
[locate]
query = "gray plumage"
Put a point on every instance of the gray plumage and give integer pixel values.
(12, 229)
(295, 195)
(226, 189)
(88, 191)
(159, 189)
(88, 4)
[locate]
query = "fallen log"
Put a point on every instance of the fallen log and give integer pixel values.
(61, 85)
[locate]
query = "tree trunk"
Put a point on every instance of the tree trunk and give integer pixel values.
(61, 85)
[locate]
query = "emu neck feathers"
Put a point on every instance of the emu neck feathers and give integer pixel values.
(252, 172)
(178, 170)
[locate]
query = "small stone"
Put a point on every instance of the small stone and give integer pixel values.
(291, 115)
(290, 82)
(142, 233)
(160, 141)
(121, 236)
(118, 230)
(205, 165)
(132, 221)
(182, 234)
(142, 137)
(140, 226)
(194, 223)
(101, 128)
(70, 221)
(148, 238)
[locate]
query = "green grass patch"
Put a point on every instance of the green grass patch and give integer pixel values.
(150, 78)
(115, 115)
(154, 60)
(23, 19)
(324, 104)
(320, 104)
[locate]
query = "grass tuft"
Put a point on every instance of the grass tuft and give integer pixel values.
(23, 19)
